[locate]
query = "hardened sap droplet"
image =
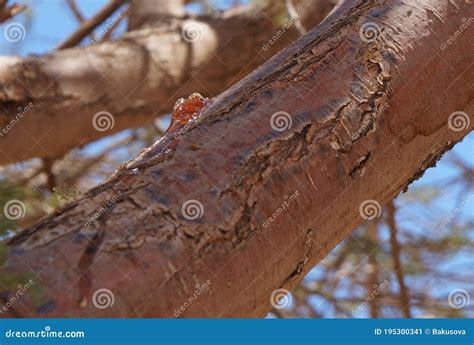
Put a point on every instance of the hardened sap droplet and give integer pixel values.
(188, 110)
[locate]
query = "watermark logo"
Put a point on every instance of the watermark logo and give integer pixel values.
(192, 209)
(288, 200)
(191, 32)
(459, 121)
(22, 289)
(281, 121)
(369, 32)
(14, 209)
(377, 290)
(103, 298)
(200, 289)
(103, 121)
(110, 24)
(458, 299)
(289, 22)
(281, 299)
(454, 213)
(364, 127)
(107, 205)
(465, 23)
(370, 209)
(14, 32)
(22, 111)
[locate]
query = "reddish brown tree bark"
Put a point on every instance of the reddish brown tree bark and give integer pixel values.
(362, 118)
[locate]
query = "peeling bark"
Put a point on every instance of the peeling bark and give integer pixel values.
(366, 118)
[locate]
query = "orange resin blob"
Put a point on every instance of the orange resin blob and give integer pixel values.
(187, 110)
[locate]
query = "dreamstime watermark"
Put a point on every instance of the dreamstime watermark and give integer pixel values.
(22, 289)
(289, 22)
(103, 298)
(200, 288)
(190, 124)
(454, 213)
(103, 121)
(191, 31)
(288, 200)
(107, 205)
(369, 32)
(370, 209)
(110, 24)
(281, 121)
(196, 117)
(14, 32)
(377, 290)
(459, 121)
(281, 299)
(464, 25)
(192, 209)
(365, 126)
(458, 299)
(14, 209)
(22, 111)
(47, 332)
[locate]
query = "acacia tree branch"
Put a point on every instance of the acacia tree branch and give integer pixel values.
(355, 129)
(134, 78)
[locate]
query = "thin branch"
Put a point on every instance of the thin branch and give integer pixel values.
(114, 26)
(75, 10)
(397, 265)
(48, 170)
(91, 24)
(373, 274)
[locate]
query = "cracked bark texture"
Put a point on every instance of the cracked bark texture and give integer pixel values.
(367, 119)
(135, 78)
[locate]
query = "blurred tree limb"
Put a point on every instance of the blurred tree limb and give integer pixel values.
(8, 11)
(134, 78)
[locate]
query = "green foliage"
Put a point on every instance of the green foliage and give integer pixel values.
(63, 194)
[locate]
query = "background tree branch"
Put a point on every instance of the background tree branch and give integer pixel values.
(135, 78)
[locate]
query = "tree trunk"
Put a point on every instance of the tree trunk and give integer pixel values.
(280, 168)
(130, 81)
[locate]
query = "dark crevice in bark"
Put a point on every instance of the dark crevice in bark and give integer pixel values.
(308, 248)
(429, 162)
